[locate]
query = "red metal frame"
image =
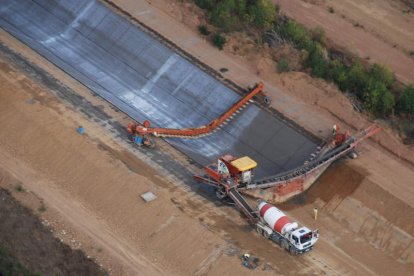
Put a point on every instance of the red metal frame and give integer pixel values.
(134, 128)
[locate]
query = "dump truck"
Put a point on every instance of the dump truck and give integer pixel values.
(273, 224)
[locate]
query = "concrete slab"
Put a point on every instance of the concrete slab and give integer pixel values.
(147, 80)
(148, 196)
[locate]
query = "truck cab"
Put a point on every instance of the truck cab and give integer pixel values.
(303, 239)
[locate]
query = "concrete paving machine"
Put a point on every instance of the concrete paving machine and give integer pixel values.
(145, 130)
(230, 176)
(230, 173)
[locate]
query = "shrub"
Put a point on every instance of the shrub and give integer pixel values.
(219, 41)
(316, 55)
(205, 4)
(19, 188)
(203, 30)
(296, 33)
(224, 15)
(378, 99)
(228, 15)
(318, 34)
(283, 65)
(406, 101)
(320, 69)
(42, 208)
(357, 79)
(380, 73)
(262, 13)
(331, 9)
(338, 73)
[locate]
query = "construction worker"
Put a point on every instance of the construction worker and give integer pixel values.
(335, 129)
(315, 213)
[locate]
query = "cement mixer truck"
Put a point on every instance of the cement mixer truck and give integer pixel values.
(273, 224)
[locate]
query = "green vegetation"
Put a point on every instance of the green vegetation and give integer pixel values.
(219, 41)
(318, 34)
(406, 102)
(10, 266)
(283, 65)
(231, 15)
(203, 30)
(262, 13)
(373, 85)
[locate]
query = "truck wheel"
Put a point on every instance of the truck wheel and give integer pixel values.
(265, 234)
(278, 241)
(285, 245)
(259, 230)
(292, 251)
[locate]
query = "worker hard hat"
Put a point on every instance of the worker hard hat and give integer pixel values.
(246, 255)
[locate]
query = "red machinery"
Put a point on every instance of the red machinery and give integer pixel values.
(230, 175)
(146, 129)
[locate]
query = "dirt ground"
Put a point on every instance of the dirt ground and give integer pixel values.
(91, 183)
(380, 31)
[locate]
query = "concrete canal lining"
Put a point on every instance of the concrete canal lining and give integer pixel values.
(147, 80)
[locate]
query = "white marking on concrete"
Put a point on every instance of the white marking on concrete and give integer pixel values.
(182, 82)
(151, 82)
(75, 22)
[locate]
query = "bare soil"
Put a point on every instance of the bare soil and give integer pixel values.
(91, 183)
(380, 31)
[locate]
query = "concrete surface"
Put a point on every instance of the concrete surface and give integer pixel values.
(147, 80)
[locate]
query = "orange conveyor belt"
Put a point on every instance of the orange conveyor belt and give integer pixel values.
(204, 130)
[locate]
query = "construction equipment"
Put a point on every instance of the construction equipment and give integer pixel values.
(227, 175)
(240, 170)
(231, 175)
(333, 151)
(276, 226)
(138, 138)
(249, 262)
(189, 133)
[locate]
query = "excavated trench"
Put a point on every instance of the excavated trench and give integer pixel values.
(146, 79)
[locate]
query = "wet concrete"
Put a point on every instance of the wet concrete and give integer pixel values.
(147, 80)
